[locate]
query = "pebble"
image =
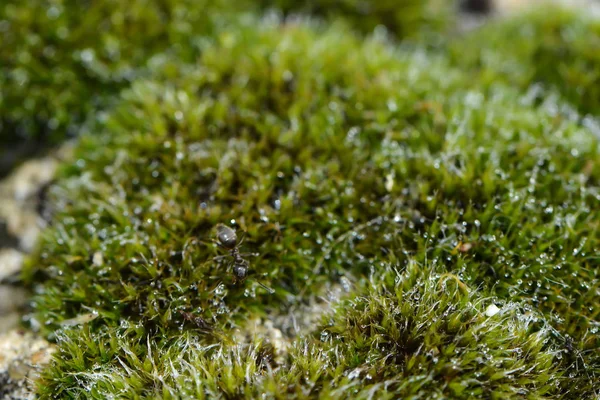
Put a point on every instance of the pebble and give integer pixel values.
(22, 354)
(11, 261)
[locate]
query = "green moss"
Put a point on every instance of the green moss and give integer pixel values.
(62, 59)
(428, 191)
(403, 18)
(241, 136)
(418, 333)
(415, 334)
(341, 158)
(554, 48)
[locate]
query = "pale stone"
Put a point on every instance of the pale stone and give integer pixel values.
(21, 356)
(11, 261)
(11, 298)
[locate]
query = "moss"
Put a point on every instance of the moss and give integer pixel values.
(415, 334)
(62, 59)
(75, 52)
(555, 49)
(405, 19)
(429, 193)
(341, 158)
(238, 138)
(419, 333)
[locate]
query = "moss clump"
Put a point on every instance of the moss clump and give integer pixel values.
(404, 18)
(341, 158)
(346, 161)
(79, 54)
(558, 50)
(419, 333)
(61, 60)
(415, 333)
(239, 137)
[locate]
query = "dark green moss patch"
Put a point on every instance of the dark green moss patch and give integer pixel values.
(344, 160)
(62, 60)
(417, 334)
(405, 19)
(557, 50)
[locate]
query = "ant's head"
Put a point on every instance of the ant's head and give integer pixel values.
(226, 236)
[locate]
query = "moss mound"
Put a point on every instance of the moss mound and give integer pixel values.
(461, 221)
(77, 52)
(557, 50)
(417, 334)
(63, 60)
(405, 19)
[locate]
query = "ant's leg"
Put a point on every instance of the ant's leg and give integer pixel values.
(195, 240)
(243, 236)
(249, 254)
(221, 257)
(268, 289)
(191, 242)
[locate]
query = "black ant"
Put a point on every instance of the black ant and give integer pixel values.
(227, 239)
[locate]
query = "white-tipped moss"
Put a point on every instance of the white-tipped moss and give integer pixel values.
(288, 131)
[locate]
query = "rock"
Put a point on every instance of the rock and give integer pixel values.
(28, 179)
(21, 353)
(9, 321)
(11, 261)
(21, 356)
(19, 201)
(11, 298)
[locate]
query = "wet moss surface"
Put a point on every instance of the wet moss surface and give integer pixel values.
(62, 60)
(80, 54)
(540, 52)
(458, 214)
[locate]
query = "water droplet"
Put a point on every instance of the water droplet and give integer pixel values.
(391, 105)
(87, 55)
(346, 284)
(221, 290)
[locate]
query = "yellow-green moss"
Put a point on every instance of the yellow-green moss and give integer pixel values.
(344, 160)
(553, 49)
(451, 192)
